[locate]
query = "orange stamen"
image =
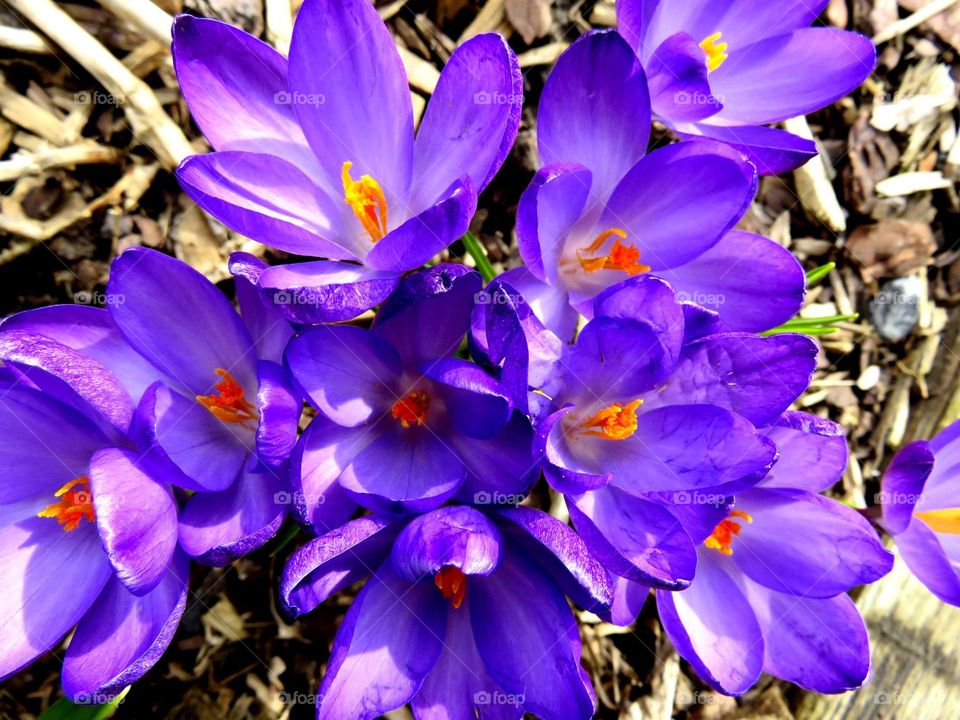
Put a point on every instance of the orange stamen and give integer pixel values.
(227, 402)
(452, 583)
(716, 51)
(365, 197)
(621, 257)
(725, 531)
(615, 422)
(411, 409)
(73, 505)
(942, 521)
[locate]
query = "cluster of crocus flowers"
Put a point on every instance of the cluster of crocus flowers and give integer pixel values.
(619, 368)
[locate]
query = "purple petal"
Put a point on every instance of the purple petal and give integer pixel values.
(92, 331)
(412, 467)
(180, 321)
(217, 528)
(714, 629)
(757, 377)
(760, 85)
(348, 373)
(333, 561)
(813, 452)
(136, 517)
(923, 553)
(269, 200)
(268, 327)
(819, 644)
(549, 208)
(629, 598)
(452, 536)
(940, 489)
(279, 408)
(199, 451)
(550, 304)
(123, 636)
(634, 538)
(562, 553)
(343, 57)
(48, 580)
(751, 281)
(499, 470)
(566, 468)
(805, 544)
(478, 405)
(770, 150)
(471, 120)
(542, 662)
(678, 201)
(679, 89)
(43, 444)
(236, 88)
(903, 483)
(390, 639)
(648, 300)
(428, 233)
(321, 454)
(322, 291)
(428, 315)
(595, 110)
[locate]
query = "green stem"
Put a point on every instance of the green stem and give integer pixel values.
(817, 274)
(475, 250)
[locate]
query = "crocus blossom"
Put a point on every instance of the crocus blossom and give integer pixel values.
(727, 70)
(771, 576)
(602, 209)
(88, 534)
(317, 156)
(921, 510)
(202, 389)
(404, 422)
(464, 613)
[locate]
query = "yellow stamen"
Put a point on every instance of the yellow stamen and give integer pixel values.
(942, 521)
(365, 197)
(621, 257)
(452, 583)
(716, 51)
(726, 531)
(73, 505)
(227, 402)
(615, 422)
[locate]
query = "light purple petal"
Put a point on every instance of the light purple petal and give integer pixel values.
(924, 554)
(903, 483)
(471, 120)
(629, 598)
(550, 303)
(648, 300)
(279, 408)
(771, 150)
(268, 327)
(501, 469)
(679, 89)
(123, 636)
(478, 405)
(813, 452)
(136, 517)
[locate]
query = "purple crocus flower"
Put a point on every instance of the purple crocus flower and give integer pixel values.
(88, 534)
(769, 591)
(602, 209)
(464, 614)
(728, 70)
(211, 400)
(317, 156)
(922, 513)
(402, 421)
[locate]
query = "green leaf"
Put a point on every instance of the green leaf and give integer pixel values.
(475, 251)
(812, 326)
(63, 709)
(817, 274)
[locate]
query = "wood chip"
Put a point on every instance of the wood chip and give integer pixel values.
(813, 186)
(530, 18)
(912, 182)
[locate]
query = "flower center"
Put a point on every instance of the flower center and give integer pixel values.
(411, 409)
(614, 422)
(620, 257)
(942, 521)
(227, 401)
(725, 531)
(716, 51)
(365, 197)
(75, 504)
(452, 583)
